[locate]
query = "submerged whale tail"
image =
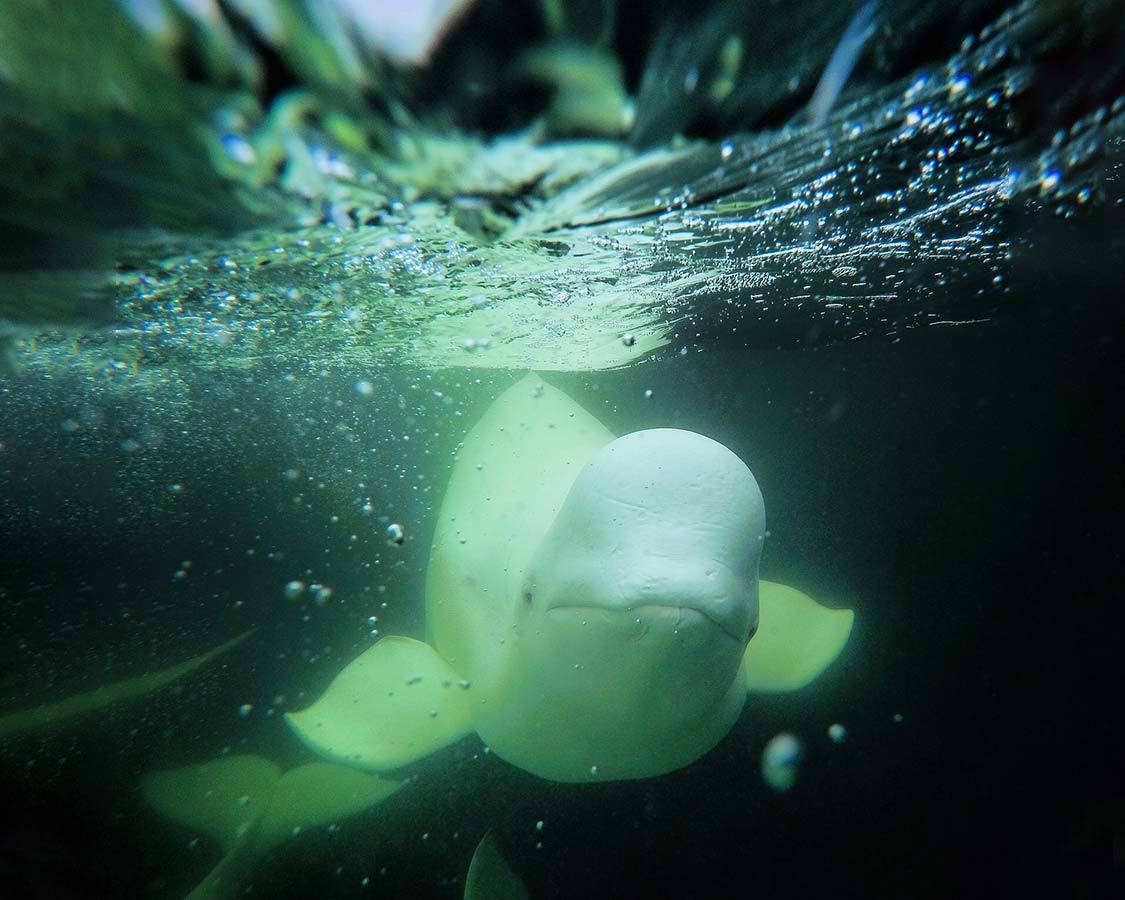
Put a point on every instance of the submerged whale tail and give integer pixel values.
(248, 806)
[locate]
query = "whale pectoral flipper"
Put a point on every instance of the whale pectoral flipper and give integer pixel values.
(490, 877)
(797, 639)
(248, 806)
(222, 797)
(225, 799)
(394, 704)
(319, 793)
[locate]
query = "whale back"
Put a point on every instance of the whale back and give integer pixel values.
(512, 473)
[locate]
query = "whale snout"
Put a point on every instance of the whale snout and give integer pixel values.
(665, 522)
(665, 595)
(708, 588)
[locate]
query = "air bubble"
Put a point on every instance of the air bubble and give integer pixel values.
(779, 761)
(294, 589)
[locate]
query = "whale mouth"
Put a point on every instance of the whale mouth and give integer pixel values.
(686, 616)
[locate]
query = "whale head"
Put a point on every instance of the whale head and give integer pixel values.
(635, 610)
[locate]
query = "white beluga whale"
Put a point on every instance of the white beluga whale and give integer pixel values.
(593, 607)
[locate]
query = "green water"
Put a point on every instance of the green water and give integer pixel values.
(321, 269)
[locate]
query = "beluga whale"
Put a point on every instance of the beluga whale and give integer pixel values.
(593, 607)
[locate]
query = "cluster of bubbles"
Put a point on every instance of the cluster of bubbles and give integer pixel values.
(319, 593)
(781, 757)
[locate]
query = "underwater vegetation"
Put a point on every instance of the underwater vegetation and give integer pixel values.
(602, 448)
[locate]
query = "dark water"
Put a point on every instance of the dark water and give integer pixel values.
(959, 485)
(961, 488)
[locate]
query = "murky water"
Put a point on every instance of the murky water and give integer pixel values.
(904, 320)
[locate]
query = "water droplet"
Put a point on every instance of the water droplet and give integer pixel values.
(239, 149)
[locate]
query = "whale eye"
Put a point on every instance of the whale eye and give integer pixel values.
(753, 631)
(527, 597)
